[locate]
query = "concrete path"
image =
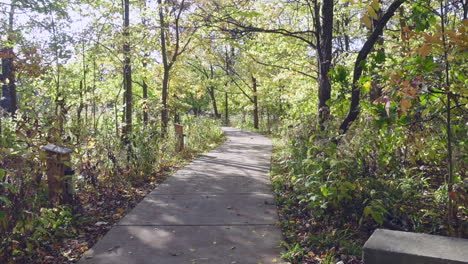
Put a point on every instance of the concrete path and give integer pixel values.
(219, 210)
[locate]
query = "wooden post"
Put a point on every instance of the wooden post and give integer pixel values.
(59, 175)
(179, 130)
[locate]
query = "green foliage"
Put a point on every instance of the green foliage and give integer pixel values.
(370, 179)
(202, 133)
(422, 16)
(50, 224)
(294, 253)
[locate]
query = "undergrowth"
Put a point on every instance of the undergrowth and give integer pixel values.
(333, 194)
(110, 178)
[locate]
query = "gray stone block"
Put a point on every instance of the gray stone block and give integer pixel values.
(396, 247)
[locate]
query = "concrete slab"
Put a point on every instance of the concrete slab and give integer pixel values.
(388, 247)
(219, 171)
(218, 209)
(179, 245)
(200, 183)
(203, 209)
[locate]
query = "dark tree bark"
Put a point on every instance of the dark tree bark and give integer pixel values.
(145, 98)
(255, 102)
(127, 74)
(362, 56)
(211, 90)
(324, 35)
(226, 108)
(9, 98)
(82, 94)
(93, 92)
(465, 9)
(145, 64)
(229, 58)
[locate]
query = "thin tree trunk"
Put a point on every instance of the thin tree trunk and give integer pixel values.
(59, 96)
(451, 209)
(164, 111)
(324, 50)
(268, 121)
(226, 108)
(94, 96)
(255, 102)
(82, 94)
(127, 75)
(165, 83)
(145, 98)
(211, 90)
(145, 64)
(78, 113)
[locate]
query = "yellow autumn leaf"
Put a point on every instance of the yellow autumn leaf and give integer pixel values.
(91, 144)
(367, 86)
(366, 21)
(375, 5)
(372, 13)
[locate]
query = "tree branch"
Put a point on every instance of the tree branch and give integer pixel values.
(362, 56)
(282, 67)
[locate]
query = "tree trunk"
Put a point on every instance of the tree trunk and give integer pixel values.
(94, 96)
(9, 100)
(255, 102)
(226, 108)
(127, 74)
(83, 91)
(358, 69)
(165, 83)
(78, 113)
(451, 206)
(211, 90)
(145, 64)
(324, 50)
(164, 110)
(145, 99)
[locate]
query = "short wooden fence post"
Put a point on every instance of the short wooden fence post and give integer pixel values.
(179, 130)
(59, 174)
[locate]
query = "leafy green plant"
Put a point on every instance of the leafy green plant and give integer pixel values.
(294, 253)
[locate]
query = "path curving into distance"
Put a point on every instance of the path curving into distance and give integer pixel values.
(219, 209)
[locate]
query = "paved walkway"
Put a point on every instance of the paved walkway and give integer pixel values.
(219, 210)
